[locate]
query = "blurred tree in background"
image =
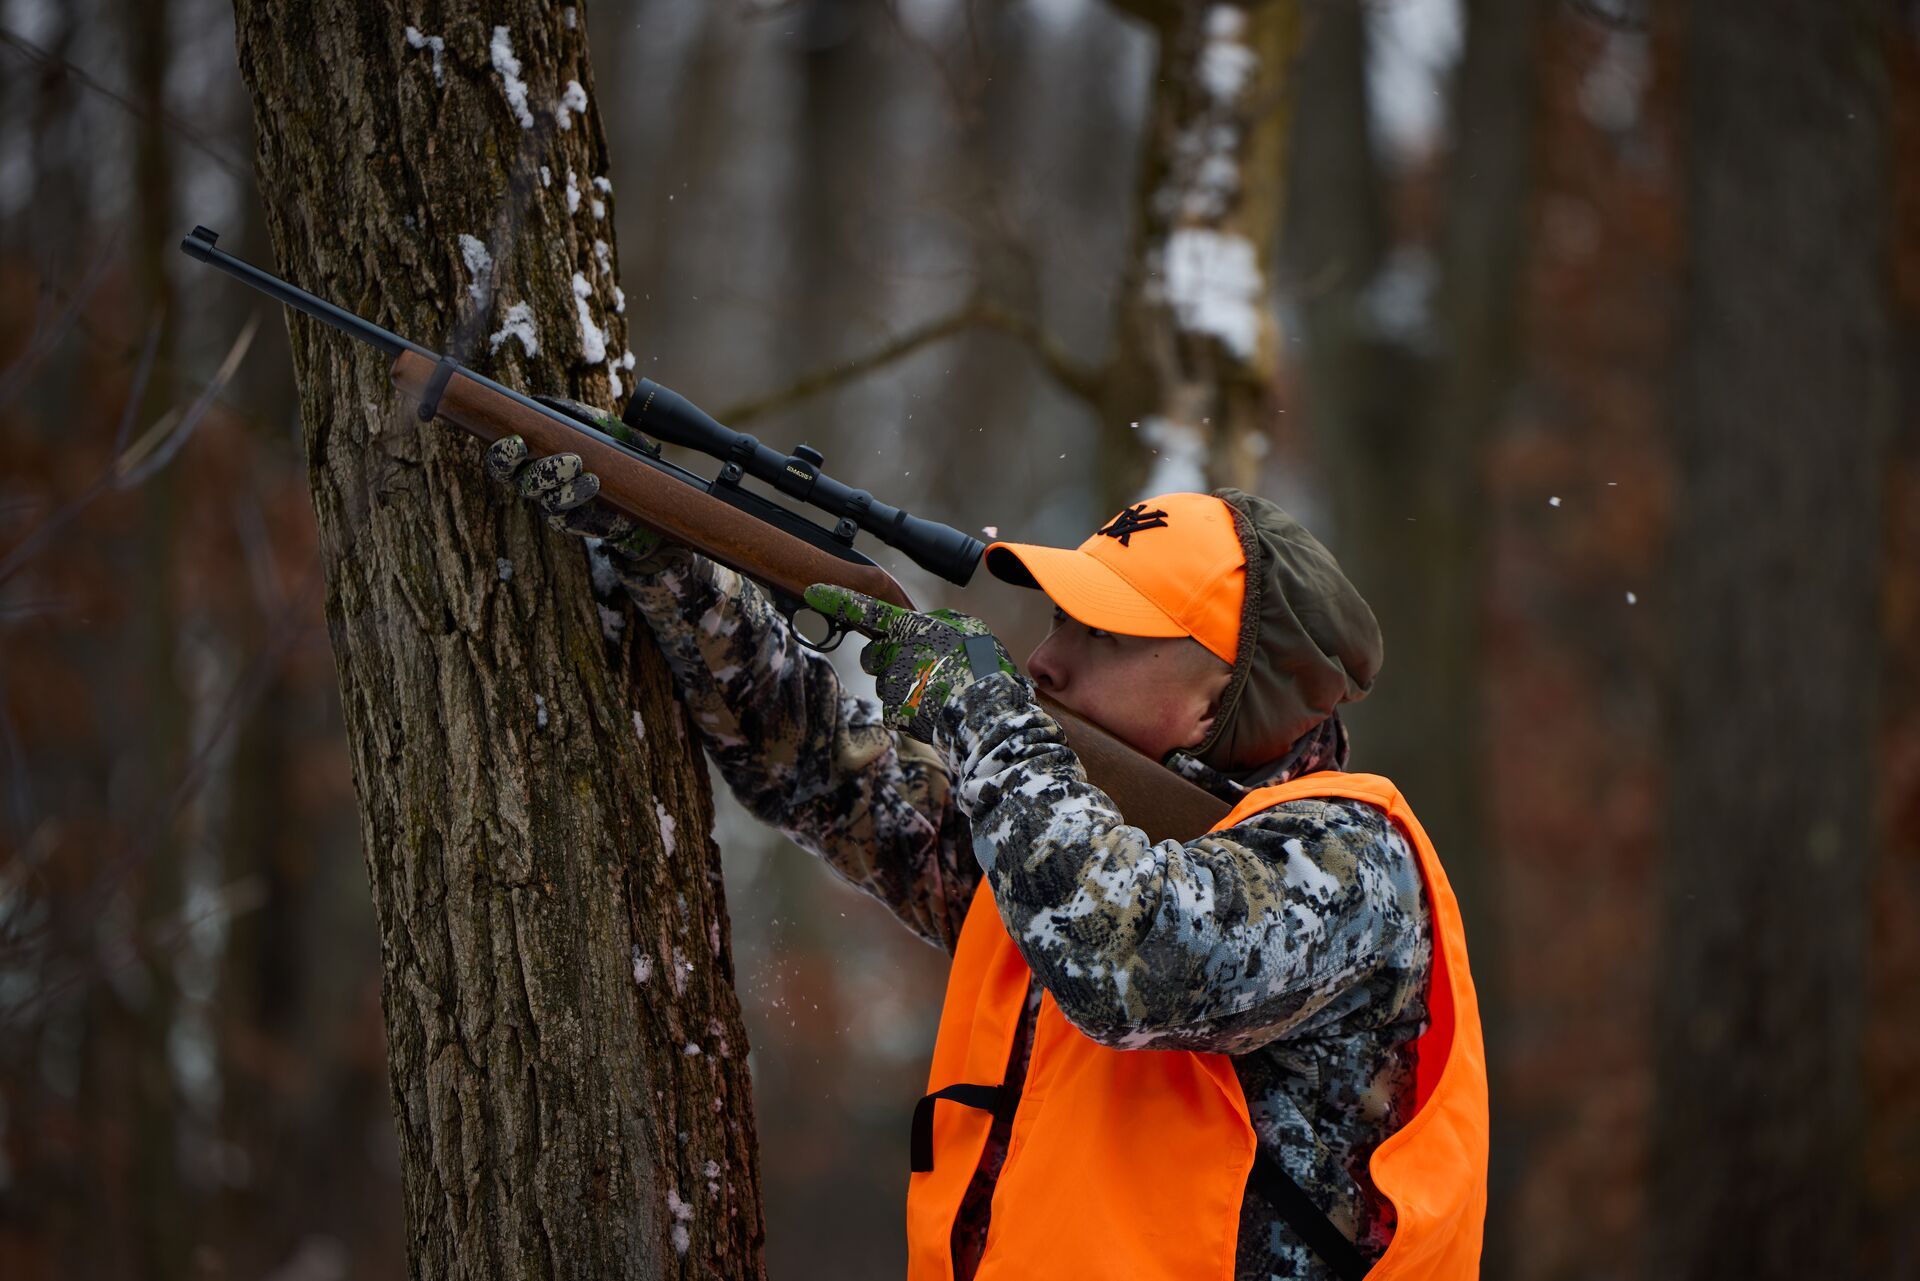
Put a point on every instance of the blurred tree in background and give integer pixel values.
(1497, 251)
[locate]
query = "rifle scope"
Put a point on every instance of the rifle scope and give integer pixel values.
(666, 414)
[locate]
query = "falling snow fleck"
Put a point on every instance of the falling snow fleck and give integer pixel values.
(1554, 501)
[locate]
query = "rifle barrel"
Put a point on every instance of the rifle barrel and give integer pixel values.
(199, 245)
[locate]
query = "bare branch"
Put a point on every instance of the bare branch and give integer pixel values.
(163, 440)
(1085, 383)
(45, 339)
(171, 123)
(1073, 377)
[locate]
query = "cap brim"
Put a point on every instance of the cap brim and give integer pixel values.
(1085, 588)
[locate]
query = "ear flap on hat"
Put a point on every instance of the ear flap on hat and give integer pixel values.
(1308, 641)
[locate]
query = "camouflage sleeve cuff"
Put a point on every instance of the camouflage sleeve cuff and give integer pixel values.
(799, 752)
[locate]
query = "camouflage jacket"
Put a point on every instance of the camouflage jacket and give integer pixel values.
(1296, 941)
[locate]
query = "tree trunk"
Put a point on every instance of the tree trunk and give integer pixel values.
(1781, 413)
(568, 1062)
(166, 1208)
(1197, 346)
(1402, 421)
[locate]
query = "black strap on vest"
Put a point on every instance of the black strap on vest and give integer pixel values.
(1306, 1219)
(1272, 1181)
(984, 1097)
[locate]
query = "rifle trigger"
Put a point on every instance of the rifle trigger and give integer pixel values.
(436, 387)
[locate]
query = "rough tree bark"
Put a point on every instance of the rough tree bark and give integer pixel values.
(568, 1062)
(1781, 414)
(1197, 348)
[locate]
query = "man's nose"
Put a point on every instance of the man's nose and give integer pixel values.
(1043, 667)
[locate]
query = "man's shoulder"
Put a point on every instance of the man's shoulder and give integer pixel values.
(1345, 818)
(1354, 841)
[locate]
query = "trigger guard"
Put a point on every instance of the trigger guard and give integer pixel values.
(835, 634)
(789, 607)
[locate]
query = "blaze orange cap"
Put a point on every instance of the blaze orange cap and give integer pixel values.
(1169, 566)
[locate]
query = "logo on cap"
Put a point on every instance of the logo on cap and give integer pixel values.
(1132, 521)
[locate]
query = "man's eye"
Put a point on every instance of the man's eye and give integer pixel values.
(1060, 616)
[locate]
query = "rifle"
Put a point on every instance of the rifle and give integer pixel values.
(779, 549)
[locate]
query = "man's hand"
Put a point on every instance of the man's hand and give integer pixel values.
(560, 486)
(922, 660)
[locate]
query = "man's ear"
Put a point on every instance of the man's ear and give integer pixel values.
(1206, 728)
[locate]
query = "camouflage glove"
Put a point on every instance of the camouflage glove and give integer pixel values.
(562, 487)
(923, 661)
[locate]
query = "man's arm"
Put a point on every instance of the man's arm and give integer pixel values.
(1270, 928)
(801, 754)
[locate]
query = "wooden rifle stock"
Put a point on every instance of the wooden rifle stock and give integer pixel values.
(1149, 795)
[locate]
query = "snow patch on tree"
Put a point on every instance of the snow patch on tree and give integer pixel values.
(1214, 286)
(479, 265)
(438, 44)
(1226, 65)
(500, 49)
(682, 1215)
(573, 192)
(546, 176)
(518, 324)
(593, 343)
(1180, 463)
(1613, 90)
(540, 710)
(505, 569)
(572, 99)
(1397, 302)
(666, 826)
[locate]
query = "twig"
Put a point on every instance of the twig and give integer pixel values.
(167, 120)
(1073, 377)
(163, 440)
(43, 340)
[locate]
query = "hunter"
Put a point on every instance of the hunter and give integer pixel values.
(1251, 1055)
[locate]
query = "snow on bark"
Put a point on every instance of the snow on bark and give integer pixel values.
(666, 826)
(438, 46)
(500, 49)
(593, 342)
(479, 265)
(518, 324)
(572, 99)
(1180, 464)
(1213, 284)
(682, 1215)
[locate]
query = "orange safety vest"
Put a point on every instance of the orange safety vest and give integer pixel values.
(1133, 1163)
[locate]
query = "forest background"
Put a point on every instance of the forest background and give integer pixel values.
(828, 211)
